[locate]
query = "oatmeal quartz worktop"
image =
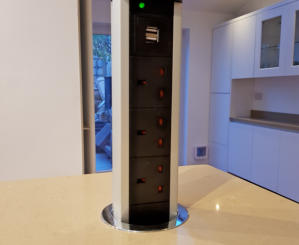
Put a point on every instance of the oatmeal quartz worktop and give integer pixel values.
(283, 121)
(223, 210)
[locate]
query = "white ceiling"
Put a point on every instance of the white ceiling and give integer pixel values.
(223, 6)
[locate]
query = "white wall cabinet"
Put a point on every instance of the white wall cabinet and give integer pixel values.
(265, 157)
(288, 177)
(292, 51)
(221, 60)
(262, 44)
(266, 44)
(243, 48)
(240, 150)
(271, 45)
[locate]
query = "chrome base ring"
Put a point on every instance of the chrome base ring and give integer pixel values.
(181, 218)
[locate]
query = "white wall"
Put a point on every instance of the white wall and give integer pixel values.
(101, 11)
(40, 98)
(253, 5)
(201, 29)
(278, 94)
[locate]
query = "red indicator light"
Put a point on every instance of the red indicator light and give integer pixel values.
(162, 93)
(162, 72)
(160, 121)
(160, 169)
(160, 188)
(160, 142)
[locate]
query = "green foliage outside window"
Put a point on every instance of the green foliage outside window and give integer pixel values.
(102, 47)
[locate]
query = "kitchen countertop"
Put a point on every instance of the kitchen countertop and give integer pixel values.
(223, 210)
(266, 123)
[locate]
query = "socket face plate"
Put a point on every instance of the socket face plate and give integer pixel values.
(151, 48)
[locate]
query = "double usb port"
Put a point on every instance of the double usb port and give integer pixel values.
(152, 34)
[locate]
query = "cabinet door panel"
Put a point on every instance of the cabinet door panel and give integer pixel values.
(219, 118)
(243, 48)
(292, 52)
(265, 157)
(271, 34)
(218, 156)
(221, 64)
(288, 178)
(240, 150)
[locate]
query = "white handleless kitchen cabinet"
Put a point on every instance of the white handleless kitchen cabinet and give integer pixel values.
(292, 52)
(218, 156)
(219, 118)
(271, 45)
(288, 178)
(265, 157)
(243, 48)
(240, 150)
(221, 60)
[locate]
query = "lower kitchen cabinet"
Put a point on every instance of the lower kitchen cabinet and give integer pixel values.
(288, 177)
(240, 150)
(265, 157)
(218, 156)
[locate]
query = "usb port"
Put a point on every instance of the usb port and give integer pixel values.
(152, 34)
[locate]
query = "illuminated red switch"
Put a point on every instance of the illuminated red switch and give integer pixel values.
(160, 121)
(160, 169)
(142, 132)
(160, 142)
(160, 188)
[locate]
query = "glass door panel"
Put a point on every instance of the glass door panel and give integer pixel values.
(270, 47)
(296, 44)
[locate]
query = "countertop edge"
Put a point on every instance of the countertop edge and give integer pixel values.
(268, 124)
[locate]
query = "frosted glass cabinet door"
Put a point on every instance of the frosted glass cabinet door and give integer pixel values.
(293, 39)
(271, 43)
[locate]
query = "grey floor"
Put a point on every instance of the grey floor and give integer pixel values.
(103, 164)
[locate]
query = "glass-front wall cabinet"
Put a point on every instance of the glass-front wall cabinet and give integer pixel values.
(296, 43)
(270, 46)
(292, 39)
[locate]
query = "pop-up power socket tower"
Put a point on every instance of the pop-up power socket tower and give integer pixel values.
(146, 63)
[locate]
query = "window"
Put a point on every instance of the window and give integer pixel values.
(102, 96)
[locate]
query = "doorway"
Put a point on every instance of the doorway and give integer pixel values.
(102, 98)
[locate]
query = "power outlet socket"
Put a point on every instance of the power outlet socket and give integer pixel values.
(200, 152)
